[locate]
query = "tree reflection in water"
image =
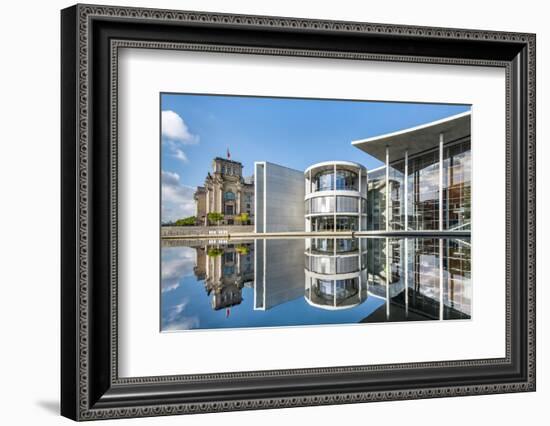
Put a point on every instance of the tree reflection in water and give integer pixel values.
(314, 281)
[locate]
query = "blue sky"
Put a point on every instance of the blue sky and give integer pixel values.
(292, 132)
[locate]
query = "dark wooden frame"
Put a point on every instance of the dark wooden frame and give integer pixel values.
(90, 386)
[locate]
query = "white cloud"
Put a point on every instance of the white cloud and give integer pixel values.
(177, 199)
(175, 129)
(176, 134)
(180, 155)
(185, 323)
(170, 178)
(177, 263)
(175, 319)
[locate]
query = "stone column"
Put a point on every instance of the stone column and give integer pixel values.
(238, 206)
(220, 199)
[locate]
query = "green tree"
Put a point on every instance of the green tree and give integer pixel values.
(243, 218)
(188, 221)
(214, 252)
(242, 249)
(214, 217)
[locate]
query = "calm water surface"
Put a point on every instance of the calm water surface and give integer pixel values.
(313, 281)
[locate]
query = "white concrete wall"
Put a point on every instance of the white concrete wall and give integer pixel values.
(280, 200)
(259, 186)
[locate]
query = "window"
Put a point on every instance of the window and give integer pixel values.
(423, 184)
(322, 223)
(322, 205)
(346, 223)
(229, 257)
(376, 200)
(229, 196)
(346, 180)
(228, 270)
(347, 204)
(457, 186)
(323, 181)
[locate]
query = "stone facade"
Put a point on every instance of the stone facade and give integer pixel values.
(225, 191)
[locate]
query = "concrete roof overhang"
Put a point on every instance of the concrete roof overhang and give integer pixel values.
(416, 139)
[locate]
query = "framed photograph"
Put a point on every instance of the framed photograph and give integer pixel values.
(263, 212)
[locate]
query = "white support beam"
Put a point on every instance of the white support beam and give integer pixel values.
(441, 278)
(360, 216)
(387, 188)
(307, 225)
(441, 140)
(264, 290)
(441, 181)
(406, 267)
(388, 274)
(406, 225)
(334, 192)
(406, 180)
(264, 210)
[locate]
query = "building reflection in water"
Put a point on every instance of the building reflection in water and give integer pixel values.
(279, 272)
(410, 279)
(335, 272)
(421, 278)
(225, 269)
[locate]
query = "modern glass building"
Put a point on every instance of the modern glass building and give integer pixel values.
(335, 197)
(426, 181)
(424, 185)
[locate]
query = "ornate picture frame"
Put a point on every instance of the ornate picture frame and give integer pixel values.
(91, 37)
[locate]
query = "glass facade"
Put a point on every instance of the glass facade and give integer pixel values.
(423, 191)
(327, 206)
(396, 216)
(376, 200)
(411, 273)
(346, 180)
(334, 292)
(422, 195)
(322, 204)
(324, 181)
(457, 284)
(457, 186)
(335, 272)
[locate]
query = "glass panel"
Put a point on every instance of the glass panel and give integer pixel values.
(322, 264)
(324, 181)
(323, 223)
(457, 186)
(347, 264)
(376, 200)
(346, 223)
(397, 196)
(347, 204)
(423, 184)
(322, 204)
(346, 180)
(457, 280)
